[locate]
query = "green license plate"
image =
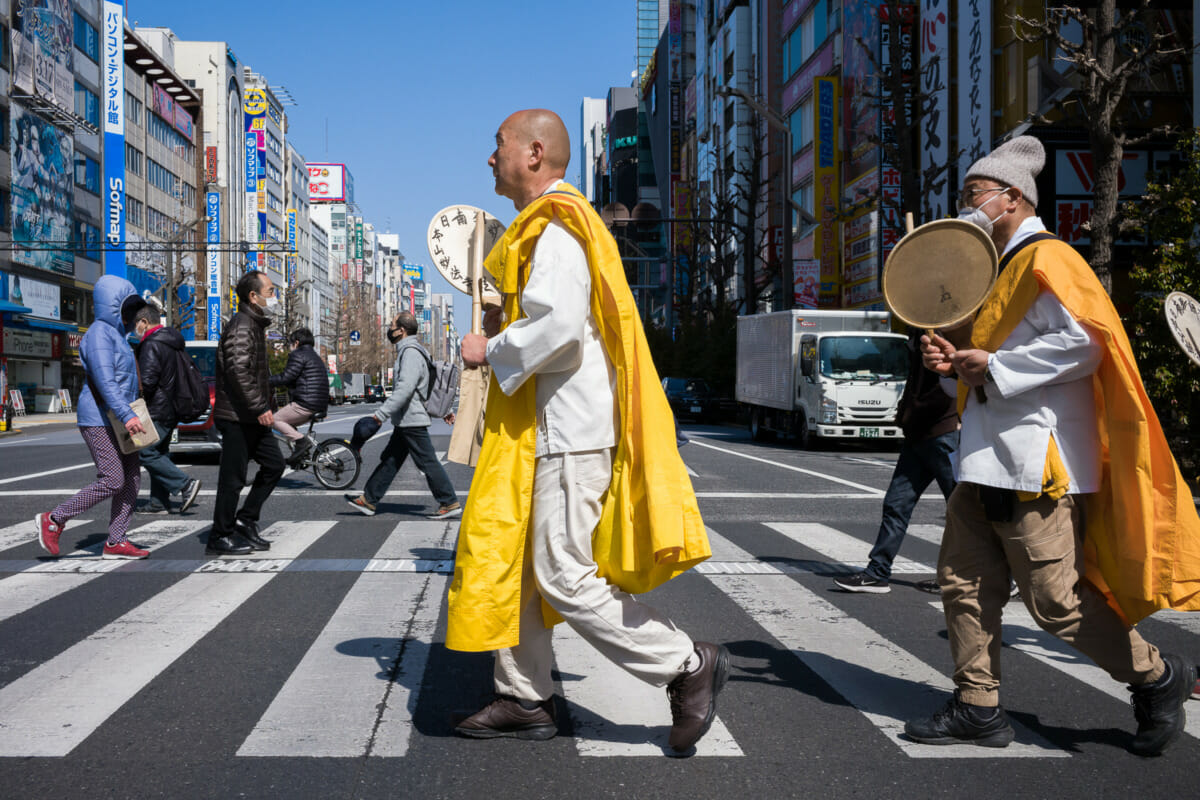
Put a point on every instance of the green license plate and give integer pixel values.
(869, 433)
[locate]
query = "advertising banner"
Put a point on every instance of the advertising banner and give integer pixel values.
(807, 272)
(43, 58)
(827, 165)
(413, 272)
(42, 299)
(113, 79)
(291, 241)
(212, 235)
(974, 87)
(898, 34)
(43, 159)
(860, 44)
(326, 183)
(935, 89)
(254, 108)
(210, 165)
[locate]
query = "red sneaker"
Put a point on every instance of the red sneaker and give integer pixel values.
(125, 550)
(48, 533)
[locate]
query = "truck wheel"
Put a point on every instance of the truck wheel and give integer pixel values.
(757, 432)
(804, 435)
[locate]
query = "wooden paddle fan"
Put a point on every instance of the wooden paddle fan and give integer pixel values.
(459, 238)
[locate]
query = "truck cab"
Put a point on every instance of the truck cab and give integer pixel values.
(850, 384)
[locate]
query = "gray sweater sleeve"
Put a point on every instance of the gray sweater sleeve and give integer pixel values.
(408, 377)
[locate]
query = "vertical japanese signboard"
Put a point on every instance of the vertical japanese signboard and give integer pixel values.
(358, 249)
(974, 86)
(935, 88)
(827, 166)
(291, 242)
(113, 79)
(893, 33)
(212, 208)
(255, 109)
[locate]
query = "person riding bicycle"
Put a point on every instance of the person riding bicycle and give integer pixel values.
(308, 380)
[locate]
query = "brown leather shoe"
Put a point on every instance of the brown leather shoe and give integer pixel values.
(693, 696)
(504, 716)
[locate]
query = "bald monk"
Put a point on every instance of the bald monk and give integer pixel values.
(548, 533)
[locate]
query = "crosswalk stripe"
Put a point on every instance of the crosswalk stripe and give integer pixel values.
(34, 586)
(927, 533)
(841, 548)
(348, 696)
(51, 709)
(860, 664)
(26, 532)
(1022, 633)
(616, 714)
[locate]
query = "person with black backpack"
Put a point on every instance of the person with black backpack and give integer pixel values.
(406, 409)
(308, 381)
(163, 384)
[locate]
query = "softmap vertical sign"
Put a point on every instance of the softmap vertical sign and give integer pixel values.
(826, 186)
(974, 88)
(212, 207)
(114, 137)
(935, 123)
(254, 107)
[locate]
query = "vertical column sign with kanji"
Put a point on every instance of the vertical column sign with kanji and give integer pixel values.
(113, 80)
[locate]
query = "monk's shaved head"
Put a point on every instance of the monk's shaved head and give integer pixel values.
(532, 153)
(542, 125)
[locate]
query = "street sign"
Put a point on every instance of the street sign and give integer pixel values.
(355, 337)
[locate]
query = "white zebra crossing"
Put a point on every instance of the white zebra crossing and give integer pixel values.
(51, 709)
(348, 696)
(26, 532)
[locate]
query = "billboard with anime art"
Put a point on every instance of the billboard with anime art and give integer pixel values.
(43, 61)
(42, 187)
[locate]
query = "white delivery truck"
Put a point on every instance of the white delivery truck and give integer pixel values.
(355, 384)
(826, 374)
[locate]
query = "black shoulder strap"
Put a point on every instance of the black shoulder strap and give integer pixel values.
(1041, 236)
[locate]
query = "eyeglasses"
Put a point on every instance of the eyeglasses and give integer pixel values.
(966, 198)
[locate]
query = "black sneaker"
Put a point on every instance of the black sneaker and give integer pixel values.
(863, 582)
(1158, 707)
(962, 723)
(299, 453)
(151, 507)
(930, 585)
(191, 490)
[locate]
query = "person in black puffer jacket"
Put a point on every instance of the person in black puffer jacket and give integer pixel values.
(158, 363)
(305, 375)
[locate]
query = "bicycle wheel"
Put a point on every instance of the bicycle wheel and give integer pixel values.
(335, 464)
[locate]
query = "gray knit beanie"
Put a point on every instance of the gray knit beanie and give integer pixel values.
(1015, 163)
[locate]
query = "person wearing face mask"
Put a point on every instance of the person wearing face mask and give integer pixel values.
(243, 416)
(111, 385)
(308, 379)
(410, 433)
(1065, 480)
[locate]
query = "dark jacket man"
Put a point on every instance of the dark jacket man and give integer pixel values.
(243, 377)
(307, 377)
(159, 365)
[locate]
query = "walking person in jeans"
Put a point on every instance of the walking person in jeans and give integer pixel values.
(308, 379)
(243, 416)
(930, 424)
(411, 432)
(158, 360)
(112, 384)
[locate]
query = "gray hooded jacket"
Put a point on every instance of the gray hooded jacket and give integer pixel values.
(405, 408)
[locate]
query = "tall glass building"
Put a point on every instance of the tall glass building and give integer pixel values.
(651, 21)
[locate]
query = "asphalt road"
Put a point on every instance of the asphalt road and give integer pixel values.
(319, 670)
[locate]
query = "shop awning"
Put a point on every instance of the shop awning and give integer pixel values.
(49, 324)
(12, 308)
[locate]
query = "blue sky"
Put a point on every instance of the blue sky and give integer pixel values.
(413, 91)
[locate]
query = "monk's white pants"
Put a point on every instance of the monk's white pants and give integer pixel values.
(567, 489)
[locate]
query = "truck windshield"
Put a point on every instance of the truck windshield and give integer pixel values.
(866, 358)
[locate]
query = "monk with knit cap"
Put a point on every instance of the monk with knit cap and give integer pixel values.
(579, 500)
(1065, 480)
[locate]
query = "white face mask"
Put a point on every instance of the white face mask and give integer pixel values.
(272, 304)
(978, 216)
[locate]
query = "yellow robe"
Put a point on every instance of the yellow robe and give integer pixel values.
(650, 528)
(1142, 533)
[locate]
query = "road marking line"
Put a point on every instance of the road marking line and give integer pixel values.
(928, 533)
(50, 710)
(1022, 633)
(870, 490)
(48, 580)
(340, 700)
(616, 714)
(841, 548)
(33, 475)
(26, 532)
(864, 667)
(23, 441)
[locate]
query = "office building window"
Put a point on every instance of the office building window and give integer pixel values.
(801, 123)
(133, 160)
(133, 109)
(135, 211)
(87, 172)
(5, 210)
(87, 39)
(87, 104)
(87, 240)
